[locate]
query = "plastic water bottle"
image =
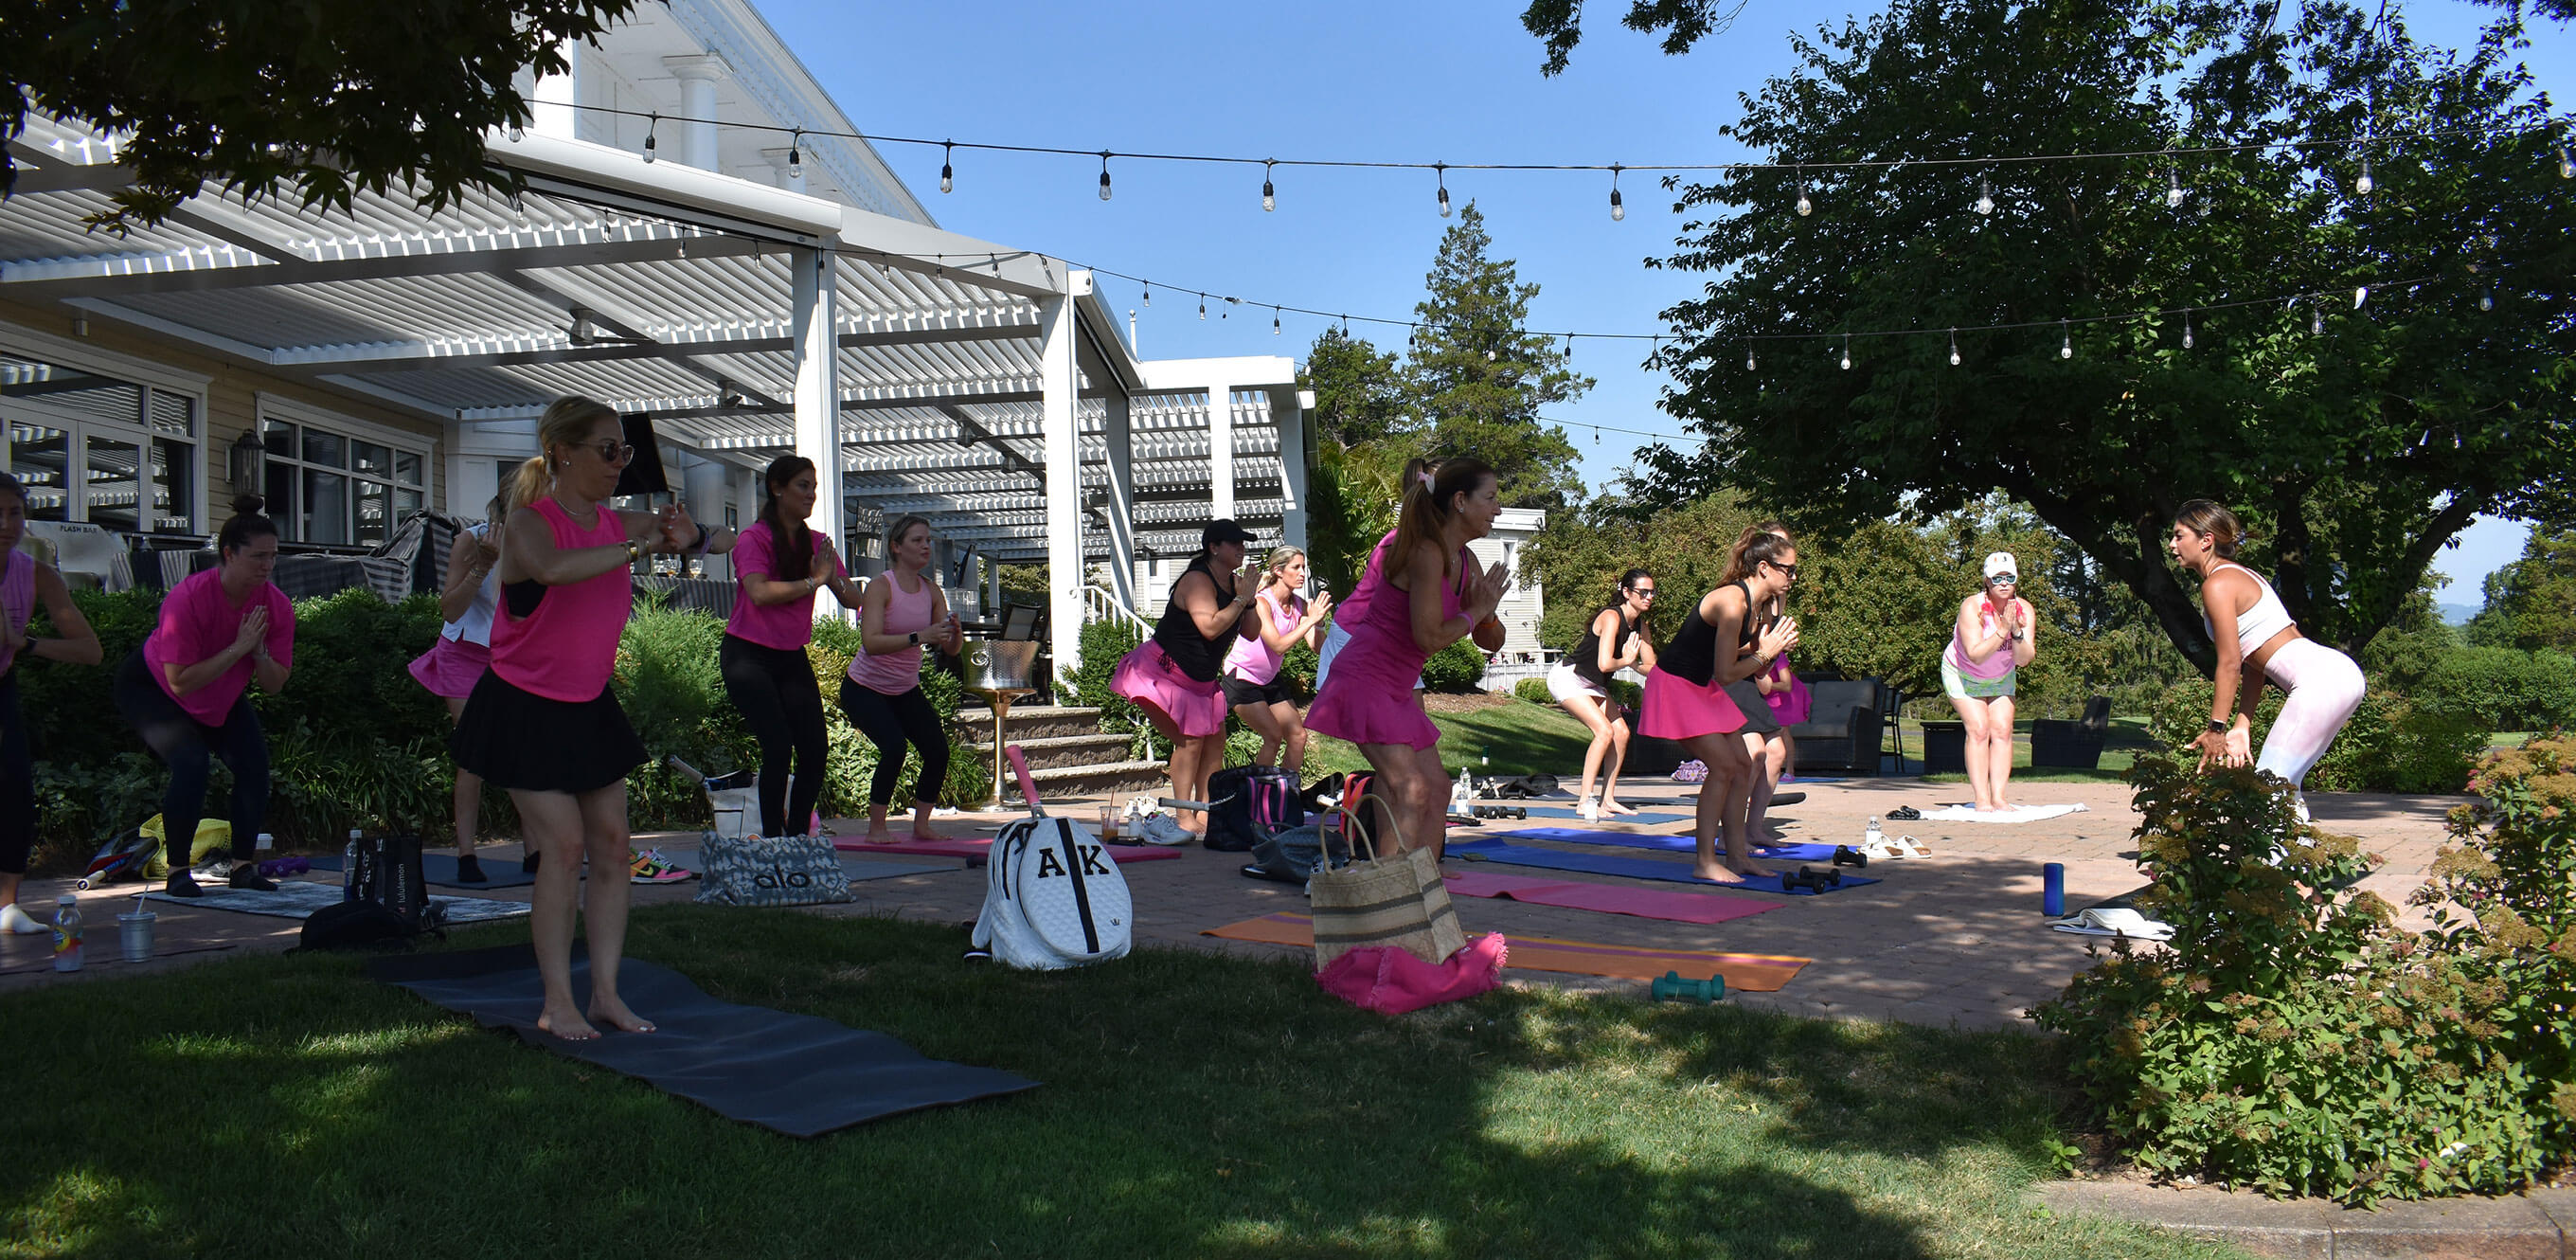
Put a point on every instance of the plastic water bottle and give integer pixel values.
(1870, 837)
(349, 868)
(266, 842)
(67, 933)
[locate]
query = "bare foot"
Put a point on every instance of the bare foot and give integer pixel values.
(613, 1013)
(1609, 806)
(564, 1023)
(924, 831)
(1716, 874)
(1749, 871)
(878, 835)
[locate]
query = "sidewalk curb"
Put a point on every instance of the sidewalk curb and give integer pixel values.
(2530, 1226)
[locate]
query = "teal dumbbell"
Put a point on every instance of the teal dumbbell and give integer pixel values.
(1672, 988)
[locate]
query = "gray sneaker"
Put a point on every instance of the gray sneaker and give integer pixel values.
(1159, 829)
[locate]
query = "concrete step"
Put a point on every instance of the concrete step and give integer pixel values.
(1120, 779)
(1029, 721)
(1058, 751)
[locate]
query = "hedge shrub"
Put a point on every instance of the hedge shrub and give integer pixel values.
(1455, 668)
(2390, 745)
(1533, 690)
(2504, 689)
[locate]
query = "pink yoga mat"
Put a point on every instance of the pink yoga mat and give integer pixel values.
(974, 850)
(1644, 903)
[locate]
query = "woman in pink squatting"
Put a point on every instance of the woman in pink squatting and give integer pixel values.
(780, 563)
(1173, 675)
(1353, 612)
(1702, 695)
(1251, 681)
(451, 666)
(1434, 595)
(24, 583)
(901, 612)
(2256, 640)
(1615, 640)
(543, 724)
(1777, 688)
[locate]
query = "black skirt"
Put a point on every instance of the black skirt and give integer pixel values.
(518, 740)
(1245, 691)
(1758, 717)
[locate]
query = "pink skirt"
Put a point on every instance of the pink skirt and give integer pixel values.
(451, 667)
(1677, 708)
(1149, 677)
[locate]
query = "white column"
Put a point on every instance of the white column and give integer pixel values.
(555, 94)
(993, 585)
(1288, 411)
(702, 488)
(818, 393)
(698, 77)
(1059, 383)
(1122, 500)
(1220, 450)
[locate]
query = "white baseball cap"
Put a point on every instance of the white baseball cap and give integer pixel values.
(2001, 562)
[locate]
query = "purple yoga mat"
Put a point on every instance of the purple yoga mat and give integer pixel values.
(1644, 903)
(974, 850)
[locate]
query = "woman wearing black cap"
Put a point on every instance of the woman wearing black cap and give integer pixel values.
(1173, 675)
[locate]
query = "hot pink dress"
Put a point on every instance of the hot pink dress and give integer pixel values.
(1368, 699)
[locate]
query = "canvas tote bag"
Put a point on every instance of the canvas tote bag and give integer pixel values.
(1391, 898)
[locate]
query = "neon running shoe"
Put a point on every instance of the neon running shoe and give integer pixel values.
(650, 867)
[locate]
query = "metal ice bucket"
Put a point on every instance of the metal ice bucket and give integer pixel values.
(1001, 665)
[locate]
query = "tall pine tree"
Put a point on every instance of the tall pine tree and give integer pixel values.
(1478, 376)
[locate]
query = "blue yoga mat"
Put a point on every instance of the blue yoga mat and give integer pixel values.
(797, 1074)
(1669, 844)
(1633, 868)
(1641, 820)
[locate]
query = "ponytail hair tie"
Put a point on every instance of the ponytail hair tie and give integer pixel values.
(1424, 478)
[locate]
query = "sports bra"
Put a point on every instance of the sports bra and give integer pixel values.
(2256, 625)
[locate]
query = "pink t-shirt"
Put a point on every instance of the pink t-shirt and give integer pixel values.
(17, 599)
(198, 621)
(895, 673)
(1352, 613)
(787, 626)
(566, 648)
(1252, 660)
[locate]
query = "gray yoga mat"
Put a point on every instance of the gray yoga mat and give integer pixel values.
(440, 869)
(796, 1074)
(297, 899)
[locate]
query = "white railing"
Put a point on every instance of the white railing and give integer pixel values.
(1099, 603)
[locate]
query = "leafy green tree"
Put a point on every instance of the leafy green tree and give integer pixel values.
(2531, 603)
(1359, 394)
(259, 96)
(1478, 375)
(2355, 452)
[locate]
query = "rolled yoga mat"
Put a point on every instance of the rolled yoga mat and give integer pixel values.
(1633, 868)
(1755, 973)
(796, 1074)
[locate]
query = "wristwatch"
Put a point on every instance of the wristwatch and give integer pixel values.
(913, 639)
(2218, 726)
(634, 550)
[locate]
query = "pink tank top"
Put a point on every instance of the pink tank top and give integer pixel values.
(1997, 663)
(17, 600)
(786, 626)
(896, 672)
(566, 647)
(1252, 660)
(1394, 620)
(1352, 613)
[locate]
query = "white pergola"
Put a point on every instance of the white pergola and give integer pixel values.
(981, 386)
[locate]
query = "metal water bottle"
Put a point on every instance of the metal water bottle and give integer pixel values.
(67, 933)
(349, 868)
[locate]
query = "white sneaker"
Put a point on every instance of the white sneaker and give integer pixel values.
(1159, 829)
(19, 922)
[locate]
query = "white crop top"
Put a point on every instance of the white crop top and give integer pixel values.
(476, 625)
(2256, 625)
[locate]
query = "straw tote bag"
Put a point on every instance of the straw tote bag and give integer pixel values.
(1391, 899)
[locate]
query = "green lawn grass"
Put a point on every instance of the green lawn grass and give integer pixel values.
(1514, 738)
(1193, 1105)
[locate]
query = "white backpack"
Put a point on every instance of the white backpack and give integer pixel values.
(1053, 897)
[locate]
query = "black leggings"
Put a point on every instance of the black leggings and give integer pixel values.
(889, 722)
(185, 745)
(775, 689)
(17, 783)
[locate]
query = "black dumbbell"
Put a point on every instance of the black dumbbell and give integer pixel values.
(1845, 855)
(1811, 879)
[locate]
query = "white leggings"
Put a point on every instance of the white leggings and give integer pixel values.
(2321, 687)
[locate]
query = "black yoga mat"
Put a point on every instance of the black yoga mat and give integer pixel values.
(796, 1074)
(440, 869)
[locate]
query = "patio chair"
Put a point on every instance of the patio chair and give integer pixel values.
(2075, 745)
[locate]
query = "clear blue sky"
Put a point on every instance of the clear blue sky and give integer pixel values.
(1419, 80)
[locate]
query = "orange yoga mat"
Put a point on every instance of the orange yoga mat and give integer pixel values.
(1754, 973)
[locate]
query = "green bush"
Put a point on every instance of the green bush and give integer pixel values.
(2289, 1040)
(1533, 690)
(1455, 668)
(2504, 689)
(1104, 642)
(1298, 665)
(2390, 745)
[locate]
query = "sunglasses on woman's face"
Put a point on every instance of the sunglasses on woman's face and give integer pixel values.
(1642, 592)
(2005, 579)
(612, 451)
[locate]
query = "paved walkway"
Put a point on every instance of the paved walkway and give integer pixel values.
(1950, 939)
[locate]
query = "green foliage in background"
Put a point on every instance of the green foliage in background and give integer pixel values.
(1456, 668)
(2392, 744)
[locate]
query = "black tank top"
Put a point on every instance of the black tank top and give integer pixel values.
(1200, 657)
(1692, 655)
(1587, 654)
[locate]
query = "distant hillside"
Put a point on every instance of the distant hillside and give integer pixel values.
(2456, 614)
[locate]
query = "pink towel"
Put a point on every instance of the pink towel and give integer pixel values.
(1392, 981)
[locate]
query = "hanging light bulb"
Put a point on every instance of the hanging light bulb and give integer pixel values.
(2360, 294)
(2173, 187)
(2066, 348)
(1618, 212)
(1274, 321)
(1489, 355)
(1202, 306)
(2364, 184)
(1269, 195)
(1440, 172)
(1104, 175)
(1985, 195)
(1805, 206)
(1954, 347)
(517, 133)
(947, 167)
(796, 155)
(2317, 320)
(649, 129)
(2186, 330)
(2486, 300)
(1748, 359)
(1846, 352)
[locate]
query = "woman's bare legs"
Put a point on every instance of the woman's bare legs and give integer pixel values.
(1721, 805)
(1762, 780)
(1418, 786)
(1587, 710)
(1999, 725)
(603, 906)
(1618, 757)
(469, 791)
(1292, 728)
(1264, 722)
(1207, 756)
(1972, 716)
(552, 824)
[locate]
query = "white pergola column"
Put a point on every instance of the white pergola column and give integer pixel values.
(1059, 385)
(818, 393)
(1288, 411)
(992, 584)
(552, 102)
(1117, 429)
(702, 488)
(1220, 450)
(698, 77)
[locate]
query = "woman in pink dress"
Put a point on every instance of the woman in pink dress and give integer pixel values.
(1172, 676)
(1779, 690)
(24, 584)
(1701, 694)
(543, 724)
(451, 666)
(1252, 683)
(1434, 594)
